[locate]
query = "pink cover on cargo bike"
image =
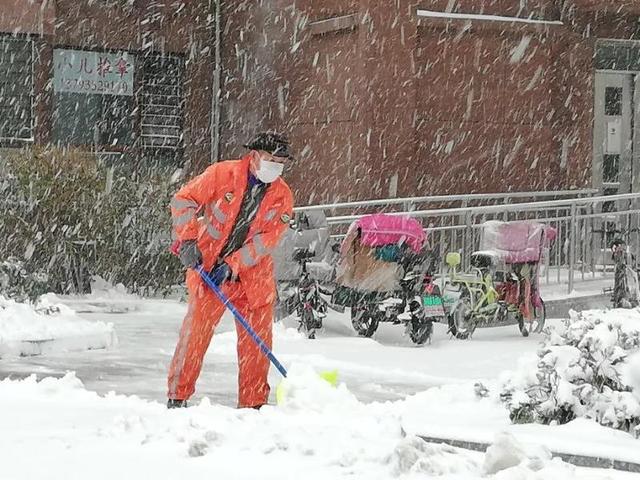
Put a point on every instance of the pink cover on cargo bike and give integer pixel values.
(381, 229)
(517, 242)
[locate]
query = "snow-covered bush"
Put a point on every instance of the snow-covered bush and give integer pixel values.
(71, 216)
(583, 369)
(19, 284)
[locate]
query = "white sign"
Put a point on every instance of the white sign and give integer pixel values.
(79, 71)
(614, 137)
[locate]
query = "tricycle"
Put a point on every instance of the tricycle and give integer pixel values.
(385, 275)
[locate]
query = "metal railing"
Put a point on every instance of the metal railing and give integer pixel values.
(585, 227)
(410, 203)
(585, 230)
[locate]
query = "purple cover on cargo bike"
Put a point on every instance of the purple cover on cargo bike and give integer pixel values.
(517, 242)
(381, 229)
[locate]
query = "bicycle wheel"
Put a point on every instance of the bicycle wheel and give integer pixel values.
(364, 320)
(461, 323)
(307, 323)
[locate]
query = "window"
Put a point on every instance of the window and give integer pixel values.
(16, 89)
(162, 106)
(613, 101)
(100, 120)
(609, 206)
(611, 168)
(93, 98)
(611, 55)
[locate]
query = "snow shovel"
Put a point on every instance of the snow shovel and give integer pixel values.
(330, 376)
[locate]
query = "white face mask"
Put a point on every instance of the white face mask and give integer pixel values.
(269, 171)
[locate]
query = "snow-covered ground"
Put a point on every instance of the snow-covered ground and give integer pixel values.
(57, 429)
(48, 328)
(386, 367)
(555, 285)
(390, 392)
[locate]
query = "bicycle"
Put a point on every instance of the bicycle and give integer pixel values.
(311, 307)
(626, 293)
(478, 303)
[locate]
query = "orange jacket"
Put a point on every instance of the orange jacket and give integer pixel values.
(206, 208)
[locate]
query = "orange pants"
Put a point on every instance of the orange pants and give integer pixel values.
(203, 315)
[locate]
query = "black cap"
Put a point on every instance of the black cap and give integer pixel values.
(274, 143)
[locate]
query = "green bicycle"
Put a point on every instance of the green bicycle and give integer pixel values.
(478, 302)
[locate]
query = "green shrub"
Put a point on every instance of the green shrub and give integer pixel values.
(587, 367)
(69, 217)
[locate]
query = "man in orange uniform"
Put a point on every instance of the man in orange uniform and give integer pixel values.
(229, 219)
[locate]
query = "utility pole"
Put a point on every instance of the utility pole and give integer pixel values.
(216, 86)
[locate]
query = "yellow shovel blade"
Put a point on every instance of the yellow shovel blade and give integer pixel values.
(330, 376)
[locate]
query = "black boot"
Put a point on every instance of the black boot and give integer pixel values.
(172, 403)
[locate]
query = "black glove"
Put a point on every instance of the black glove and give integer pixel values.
(190, 255)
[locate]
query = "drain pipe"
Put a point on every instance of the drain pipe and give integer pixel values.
(216, 86)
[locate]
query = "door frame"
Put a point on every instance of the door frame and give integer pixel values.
(634, 161)
(630, 150)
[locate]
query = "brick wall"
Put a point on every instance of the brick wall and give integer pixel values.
(393, 104)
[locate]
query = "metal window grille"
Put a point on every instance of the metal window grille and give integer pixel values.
(617, 55)
(16, 89)
(162, 108)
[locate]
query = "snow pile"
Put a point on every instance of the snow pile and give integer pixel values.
(28, 329)
(414, 456)
(586, 368)
(508, 459)
(467, 414)
(104, 298)
(506, 452)
(305, 389)
(332, 436)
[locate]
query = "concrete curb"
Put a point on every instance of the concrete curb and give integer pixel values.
(560, 308)
(577, 460)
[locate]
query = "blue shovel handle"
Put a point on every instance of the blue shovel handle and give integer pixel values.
(227, 303)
